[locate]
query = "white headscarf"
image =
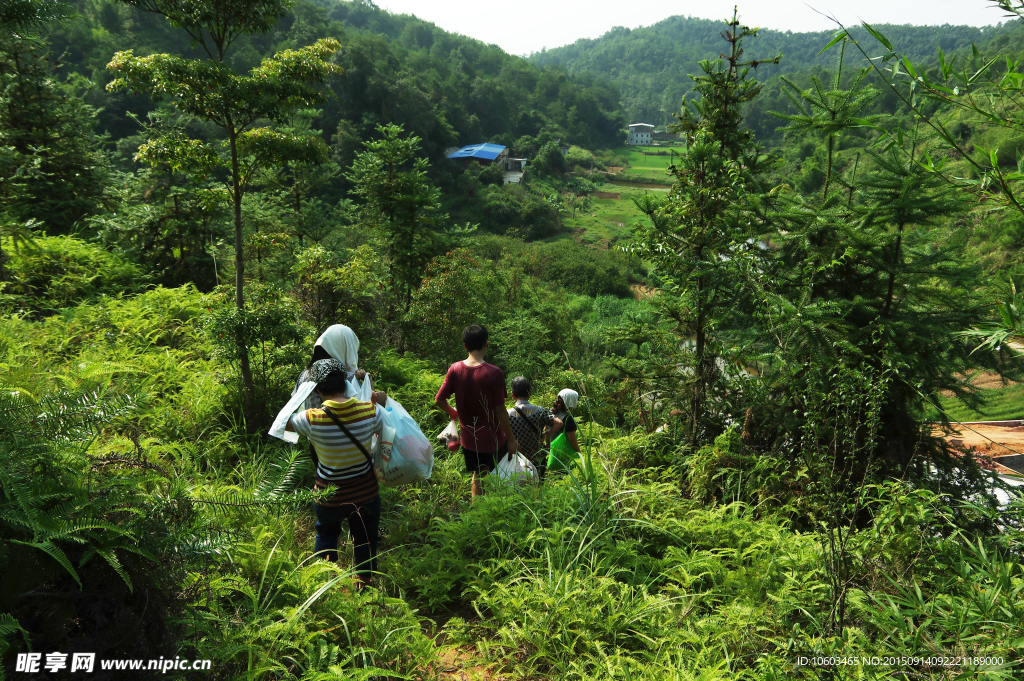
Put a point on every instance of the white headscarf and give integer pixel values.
(570, 397)
(341, 343)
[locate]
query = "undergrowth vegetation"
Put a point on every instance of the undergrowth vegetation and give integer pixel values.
(606, 573)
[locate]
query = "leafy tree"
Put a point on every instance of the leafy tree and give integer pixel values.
(172, 210)
(580, 158)
(966, 96)
(873, 286)
(981, 87)
(211, 91)
(550, 160)
(401, 208)
(270, 333)
(830, 111)
(445, 303)
(515, 210)
(302, 177)
(329, 288)
(34, 15)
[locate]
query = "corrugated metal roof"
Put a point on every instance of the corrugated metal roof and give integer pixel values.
(487, 152)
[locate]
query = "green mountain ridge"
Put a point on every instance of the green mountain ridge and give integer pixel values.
(651, 65)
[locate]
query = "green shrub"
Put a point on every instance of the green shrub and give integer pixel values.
(577, 157)
(549, 160)
(583, 270)
(55, 272)
(78, 549)
(515, 210)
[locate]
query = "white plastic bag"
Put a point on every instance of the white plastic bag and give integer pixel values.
(450, 432)
(516, 469)
(403, 454)
(362, 391)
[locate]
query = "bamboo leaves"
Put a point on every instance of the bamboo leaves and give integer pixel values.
(977, 89)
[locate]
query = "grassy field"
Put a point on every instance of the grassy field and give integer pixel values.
(1002, 404)
(643, 162)
(611, 215)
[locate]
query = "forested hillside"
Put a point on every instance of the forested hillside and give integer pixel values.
(755, 356)
(447, 89)
(651, 65)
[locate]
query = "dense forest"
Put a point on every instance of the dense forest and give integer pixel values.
(447, 89)
(651, 65)
(774, 325)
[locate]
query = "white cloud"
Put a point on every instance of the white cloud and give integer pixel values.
(525, 26)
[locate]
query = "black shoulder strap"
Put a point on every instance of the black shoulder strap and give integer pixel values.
(341, 425)
(536, 426)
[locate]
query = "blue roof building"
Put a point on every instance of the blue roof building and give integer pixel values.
(481, 152)
(492, 154)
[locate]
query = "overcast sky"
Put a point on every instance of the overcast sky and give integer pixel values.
(525, 26)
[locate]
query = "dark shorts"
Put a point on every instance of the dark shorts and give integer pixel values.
(482, 462)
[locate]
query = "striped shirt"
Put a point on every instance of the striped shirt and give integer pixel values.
(340, 464)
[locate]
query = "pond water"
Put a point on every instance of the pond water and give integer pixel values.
(639, 185)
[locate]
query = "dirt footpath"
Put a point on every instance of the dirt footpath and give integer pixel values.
(989, 441)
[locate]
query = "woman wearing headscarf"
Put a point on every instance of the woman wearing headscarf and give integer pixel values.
(340, 430)
(567, 399)
(337, 342)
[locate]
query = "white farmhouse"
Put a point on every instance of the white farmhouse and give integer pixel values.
(641, 134)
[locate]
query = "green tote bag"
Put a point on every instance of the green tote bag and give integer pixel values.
(562, 454)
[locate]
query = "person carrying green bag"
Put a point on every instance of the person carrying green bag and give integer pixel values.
(565, 448)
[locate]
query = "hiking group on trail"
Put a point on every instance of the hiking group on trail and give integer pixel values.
(335, 407)
(489, 433)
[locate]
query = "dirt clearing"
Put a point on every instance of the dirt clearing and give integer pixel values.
(989, 442)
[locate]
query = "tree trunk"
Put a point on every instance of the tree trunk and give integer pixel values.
(892, 274)
(828, 168)
(298, 212)
(248, 386)
(700, 340)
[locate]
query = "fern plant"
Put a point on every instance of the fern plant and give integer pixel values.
(60, 512)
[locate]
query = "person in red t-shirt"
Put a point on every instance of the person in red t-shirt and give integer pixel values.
(479, 390)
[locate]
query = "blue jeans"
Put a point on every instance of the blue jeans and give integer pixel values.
(363, 523)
